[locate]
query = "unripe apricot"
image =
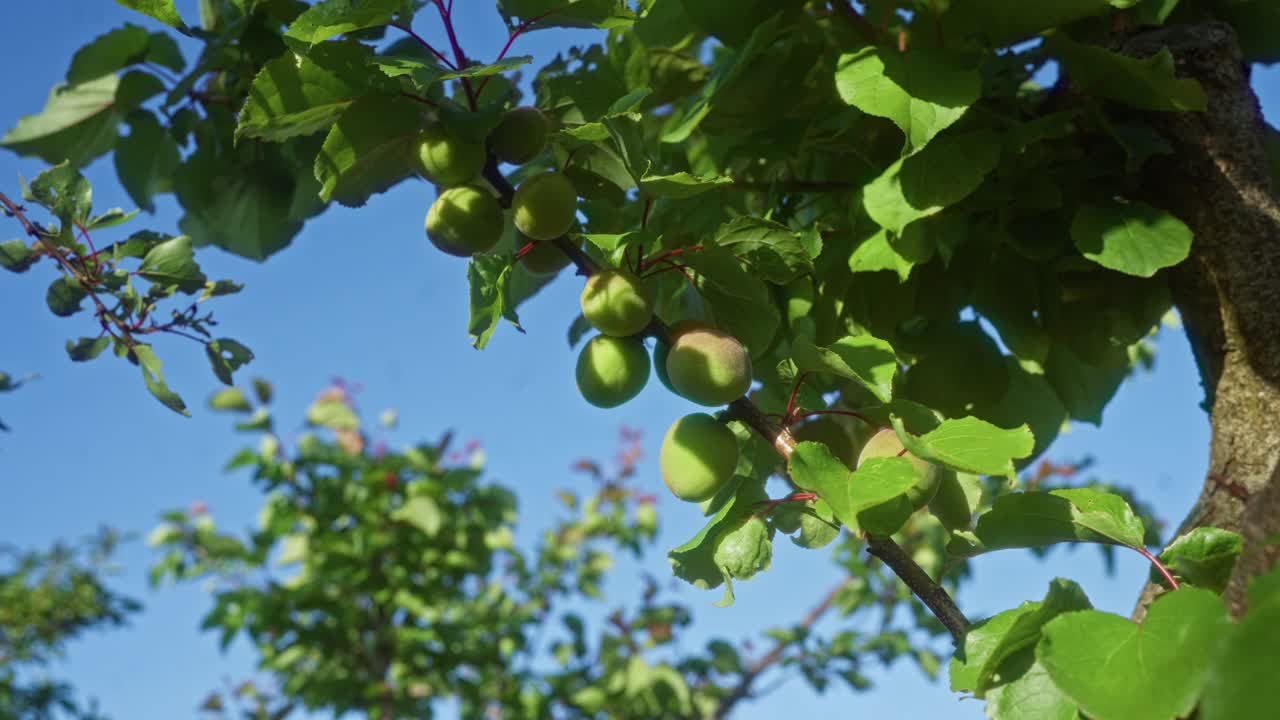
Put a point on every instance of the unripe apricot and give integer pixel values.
(448, 160)
(698, 456)
(886, 444)
(708, 366)
(617, 303)
(520, 136)
(612, 370)
(544, 259)
(544, 206)
(833, 434)
(464, 221)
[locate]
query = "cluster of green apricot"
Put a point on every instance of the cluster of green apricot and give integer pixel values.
(697, 362)
(466, 218)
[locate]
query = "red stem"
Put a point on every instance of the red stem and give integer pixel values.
(421, 41)
(459, 57)
(791, 402)
(419, 98)
(1159, 566)
(511, 38)
(666, 256)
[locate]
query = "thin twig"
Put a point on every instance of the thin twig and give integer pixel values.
(742, 690)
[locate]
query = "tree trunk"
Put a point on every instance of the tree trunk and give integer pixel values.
(1228, 291)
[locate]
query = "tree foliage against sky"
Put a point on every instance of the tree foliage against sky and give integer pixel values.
(873, 215)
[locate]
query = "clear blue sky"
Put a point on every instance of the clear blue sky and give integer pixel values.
(90, 446)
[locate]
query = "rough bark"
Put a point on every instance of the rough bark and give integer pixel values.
(1228, 291)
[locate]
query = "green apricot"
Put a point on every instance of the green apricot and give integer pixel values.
(698, 456)
(707, 366)
(448, 160)
(832, 433)
(886, 444)
(612, 370)
(545, 206)
(544, 260)
(617, 303)
(464, 221)
(951, 505)
(521, 135)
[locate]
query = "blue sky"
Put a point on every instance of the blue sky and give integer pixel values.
(363, 296)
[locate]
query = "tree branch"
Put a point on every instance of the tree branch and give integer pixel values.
(933, 595)
(742, 690)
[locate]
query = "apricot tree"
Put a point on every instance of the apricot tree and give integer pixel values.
(879, 212)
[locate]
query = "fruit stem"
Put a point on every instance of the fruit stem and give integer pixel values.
(645, 264)
(459, 57)
(1168, 576)
(849, 413)
(511, 38)
(422, 41)
(789, 416)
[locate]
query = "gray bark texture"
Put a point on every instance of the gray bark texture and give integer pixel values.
(1228, 291)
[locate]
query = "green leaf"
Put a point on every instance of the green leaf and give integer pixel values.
(604, 14)
(1241, 683)
(882, 251)
(369, 149)
(743, 550)
(154, 380)
(923, 92)
(680, 185)
(329, 18)
(86, 349)
(866, 360)
(1084, 388)
(1031, 695)
(112, 51)
(969, 445)
(421, 512)
(1204, 557)
(64, 192)
(332, 413)
(146, 159)
(295, 95)
(226, 356)
(1130, 237)
(930, 179)
(489, 278)
(1117, 670)
(77, 124)
(64, 296)
(172, 262)
(161, 10)
(16, 256)
(774, 250)
(231, 399)
(873, 493)
(1147, 83)
(110, 218)
(694, 561)
(739, 299)
(1000, 22)
(993, 642)
(1036, 519)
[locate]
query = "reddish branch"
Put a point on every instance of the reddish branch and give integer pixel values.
(742, 690)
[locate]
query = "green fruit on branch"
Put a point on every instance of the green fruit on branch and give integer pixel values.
(950, 504)
(448, 160)
(886, 444)
(544, 260)
(464, 221)
(832, 433)
(707, 366)
(612, 370)
(521, 135)
(617, 303)
(698, 456)
(545, 206)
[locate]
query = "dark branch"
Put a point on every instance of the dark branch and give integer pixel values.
(933, 595)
